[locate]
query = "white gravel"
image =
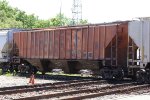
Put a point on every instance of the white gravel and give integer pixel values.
(8, 81)
(122, 97)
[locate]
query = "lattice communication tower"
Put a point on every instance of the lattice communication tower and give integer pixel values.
(76, 12)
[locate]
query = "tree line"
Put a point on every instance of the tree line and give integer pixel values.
(14, 18)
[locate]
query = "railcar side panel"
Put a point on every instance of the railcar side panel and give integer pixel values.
(25, 44)
(74, 44)
(91, 42)
(62, 44)
(29, 45)
(16, 42)
(79, 43)
(102, 43)
(41, 37)
(51, 44)
(96, 43)
(45, 48)
(56, 44)
(37, 45)
(84, 43)
(68, 44)
(110, 33)
(21, 44)
(122, 44)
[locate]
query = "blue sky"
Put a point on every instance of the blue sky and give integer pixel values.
(95, 11)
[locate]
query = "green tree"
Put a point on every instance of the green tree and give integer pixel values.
(60, 20)
(83, 22)
(15, 18)
(29, 21)
(42, 23)
(7, 16)
(10, 23)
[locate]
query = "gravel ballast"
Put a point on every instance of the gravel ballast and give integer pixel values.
(8, 81)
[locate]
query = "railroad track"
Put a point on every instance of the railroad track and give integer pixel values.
(89, 93)
(86, 94)
(47, 86)
(59, 89)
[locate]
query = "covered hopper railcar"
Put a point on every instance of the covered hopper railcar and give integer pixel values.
(6, 47)
(113, 49)
(73, 47)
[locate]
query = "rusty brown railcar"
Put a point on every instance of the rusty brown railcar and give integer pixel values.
(75, 47)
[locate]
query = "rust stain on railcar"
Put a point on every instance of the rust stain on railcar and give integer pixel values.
(37, 45)
(122, 44)
(90, 42)
(29, 45)
(51, 44)
(84, 43)
(32, 49)
(96, 42)
(111, 45)
(24, 44)
(56, 44)
(40, 44)
(116, 49)
(74, 44)
(110, 33)
(46, 46)
(21, 44)
(68, 44)
(102, 42)
(79, 43)
(62, 44)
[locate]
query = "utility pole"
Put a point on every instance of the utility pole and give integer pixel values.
(60, 14)
(76, 12)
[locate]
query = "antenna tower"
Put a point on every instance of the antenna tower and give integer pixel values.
(76, 12)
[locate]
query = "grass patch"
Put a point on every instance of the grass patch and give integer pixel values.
(39, 73)
(51, 73)
(8, 74)
(0, 71)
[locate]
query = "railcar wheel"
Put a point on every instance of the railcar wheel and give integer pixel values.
(103, 76)
(148, 76)
(102, 73)
(120, 75)
(140, 76)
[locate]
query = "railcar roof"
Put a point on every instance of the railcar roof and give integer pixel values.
(74, 27)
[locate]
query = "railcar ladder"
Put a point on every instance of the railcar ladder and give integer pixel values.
(114, 52)
(131, 59)
(130, 52)
(111, 60)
